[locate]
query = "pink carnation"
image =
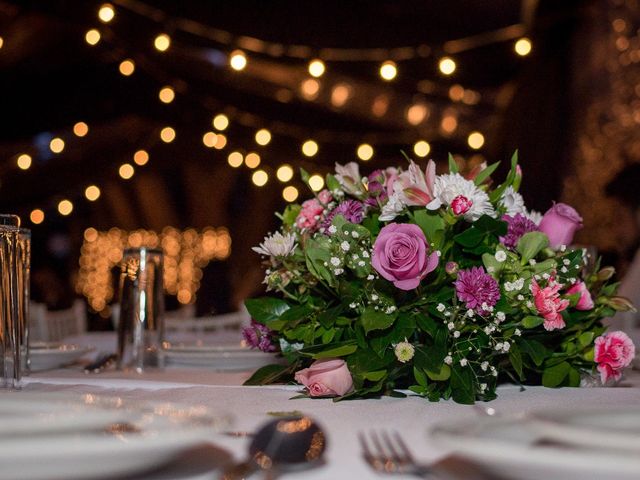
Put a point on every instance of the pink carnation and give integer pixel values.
(613, 352)
(477, 289)
(585, 302)
(311, 212)
(549, 304)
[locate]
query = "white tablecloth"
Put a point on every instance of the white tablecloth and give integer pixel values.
(222, 391)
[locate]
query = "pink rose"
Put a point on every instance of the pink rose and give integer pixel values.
(585, 302)
(549, 304)
(311, 212)
(401, 255)
(327, 377)
(560, 223)
(613, 352)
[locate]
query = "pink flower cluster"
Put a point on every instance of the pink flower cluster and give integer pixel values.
(311, 213)
(477, 289)
(549, 304)
(613, 352)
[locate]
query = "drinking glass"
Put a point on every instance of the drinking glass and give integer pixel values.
(24, 295)
(141, 324)
(10, 361)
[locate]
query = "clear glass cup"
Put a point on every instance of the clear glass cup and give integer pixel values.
(141, 323)
(10, 356)
(24, 295)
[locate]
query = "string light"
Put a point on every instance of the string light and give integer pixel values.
(310, 89)
(80, 129)
(141, 157)
(166, 94)
(126, 171)
(252, 160)
(56, 145)
(422, 148)
(316, 68)
(523, 47)
(210, 139)
(235, 159)
(290, 193)
(24, 161)
(447, 65)
(36, 216)
(221, 142)
(1, 42)
(162, 42)
(238, 60)
(309, 148)
(263, 137)
(365, 152)
(92, 37)
(260, 178)
(167, 134)
(417, 113)
(340, 95)
(127, 67)
(220, 122)
(316, 182)
(284, 173)
(106, 13)
(475, 140)
(388, 70)
(449, 123)
(65, 207)
(92, 193)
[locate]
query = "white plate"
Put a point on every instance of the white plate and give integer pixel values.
(53, 355)
(515, 448)
(226, 357)
(164, 432)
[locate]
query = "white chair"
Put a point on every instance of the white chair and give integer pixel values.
(53, 326)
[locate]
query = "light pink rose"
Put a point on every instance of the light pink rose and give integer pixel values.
(560, 224)
(549, 304)
(311, 212)
(414, 187)
(585, 302)
(613, 352)
(401, 255)
(327, 377)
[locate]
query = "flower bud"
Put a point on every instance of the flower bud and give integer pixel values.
(606, 273)
(451, 268)
(620, 304)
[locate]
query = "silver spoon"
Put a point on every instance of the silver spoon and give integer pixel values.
(289, 443)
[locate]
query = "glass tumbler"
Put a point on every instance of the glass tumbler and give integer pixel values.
(24, 295)
(10, 335)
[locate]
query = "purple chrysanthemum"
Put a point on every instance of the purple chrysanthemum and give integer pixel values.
(351, 210)
(258, 336)
(518, 225)
(477, 289)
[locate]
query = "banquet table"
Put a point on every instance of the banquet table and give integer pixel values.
(222, 391)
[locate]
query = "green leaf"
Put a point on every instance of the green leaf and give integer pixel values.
(586, 338)
(530, 244)
(304, 175)
(376, 319)
(429, 223)
(420, 377)
(511, 177)
(375, 376)
(515, 357)
(462, 390)
(486, 173)
(534, 349)
(453, 166)
(266, 309)
(297, 312)
(290, 214)
(313, 350)
(531, 321)
(471, 237)
(266, 375)
(341, 351)
(574, 378)
(492, 225)
(440, 375)
(554, 376)
(327, 318)
(332, 182)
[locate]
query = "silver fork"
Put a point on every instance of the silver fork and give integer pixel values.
(387, 453)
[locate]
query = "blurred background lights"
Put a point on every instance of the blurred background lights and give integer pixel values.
(1, 42)
(310, 89)
(238, 60)
(263, 137)
(284, 173)
(388, 70)
(475, 140)
(126, 171)
(106, 13)
(36, 216)
(316, 68)
(523, 47)
(365, 152)
(309, 148)
(221, 141)
(447, 65)
(56, 145)
(92, 193)
(340, 95)
(316, 182)
(235, 159)
(290, 193)
(162, 42)
(127, 67)
(220, 122)
(421, 148)
(417, 113)
(167, 134)
(80, 129)
(260, 178)
(141, 157)
(92, 37)
(210, 139)
(166, 95)
(65, 207)
(252, 160)
(24, 161)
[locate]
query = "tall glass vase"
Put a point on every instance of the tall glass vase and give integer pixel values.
(10, 324)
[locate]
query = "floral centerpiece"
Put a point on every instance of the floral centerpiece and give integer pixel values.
(439, 284)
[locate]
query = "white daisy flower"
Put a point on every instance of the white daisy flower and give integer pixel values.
(392, 208)
(513, 202)
(463, 195)
(404, 351)
(277, 245)
(534, 216)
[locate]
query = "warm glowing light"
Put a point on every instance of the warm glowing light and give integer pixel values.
(316, 182)
(475, 140)
(449, 123)
(24, 161)
(417, 113)
(340, 94)
(92, 192)
(92, 37)
(65, 207)
(106, 13)
(263, 137)
(456, 92)
(80, 129)
(422, 148)
(260, 178)
(127, 67)
(168, 134)
(388, 70)
(380, 105)
(310, 89)
(210, 139)
(56, 145)
(447, 65)
(238, 60)
(252, 160)
(141, 157)
(184, 296)
(365, 152)
(220, 122)
(166, 94)
(36, 216)
(126, 171)
(284, 173)
(1, 42)
(316, 68)
(235, 159)
(290, 193)
(162, 42)
(221, 142)
(523, 47)
(309, 148)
